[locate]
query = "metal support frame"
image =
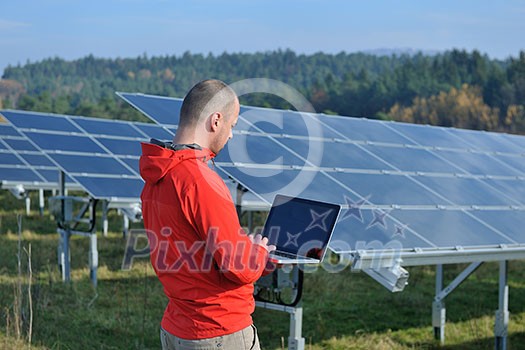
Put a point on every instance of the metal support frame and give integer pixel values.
(438, 309)
(28, 204)
(438, 306)
(295, 340)
(41, 201)
(125, 225)
(62, 208)
(502, 315)
(105, 224)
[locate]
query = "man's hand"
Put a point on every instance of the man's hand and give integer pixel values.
(262, 241)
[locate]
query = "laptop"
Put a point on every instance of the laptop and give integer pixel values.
(300, 228)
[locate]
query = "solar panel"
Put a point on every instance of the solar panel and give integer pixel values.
(19, 175)
(154, 131)
(32, 169)
(81, 155)
(421, 187)
(515, 161)
(94, 151)
(166, 108)
(108, 127)
(485, 141)
(38, 121)
(427, 136)
(479, 163)
(332, 152)
(363, 130)
(8, 130)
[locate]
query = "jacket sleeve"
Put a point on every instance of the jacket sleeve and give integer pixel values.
(210, 207)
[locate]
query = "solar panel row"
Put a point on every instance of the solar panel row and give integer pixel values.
(416, 186)
(22, 164)
(101, 155)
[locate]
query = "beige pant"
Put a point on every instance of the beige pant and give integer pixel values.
(245, 339)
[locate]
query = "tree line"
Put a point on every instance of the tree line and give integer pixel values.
(454, 88)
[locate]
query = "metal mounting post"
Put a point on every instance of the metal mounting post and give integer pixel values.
(296, 341)
(438, 306)
(438, 309)
(105, 218)
(28, 204)
(41, 201)
(64, 255)
(125, 229)
(502, 315)
(93, 258)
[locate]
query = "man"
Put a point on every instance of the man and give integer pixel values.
(204, 260)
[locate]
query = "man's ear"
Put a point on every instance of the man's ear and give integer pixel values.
(215, 120)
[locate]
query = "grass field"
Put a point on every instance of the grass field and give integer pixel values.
(341, 311)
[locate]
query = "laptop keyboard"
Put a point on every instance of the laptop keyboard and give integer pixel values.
(284, 254)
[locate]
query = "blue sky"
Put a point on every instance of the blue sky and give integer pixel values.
(37, 29)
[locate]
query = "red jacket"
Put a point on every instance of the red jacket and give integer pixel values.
(202, 257)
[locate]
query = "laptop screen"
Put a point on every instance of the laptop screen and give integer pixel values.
(300, 226)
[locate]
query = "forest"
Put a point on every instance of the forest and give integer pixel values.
(454, 88)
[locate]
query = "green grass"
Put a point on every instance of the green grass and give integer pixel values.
(341, 311)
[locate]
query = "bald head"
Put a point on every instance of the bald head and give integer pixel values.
(206, 98)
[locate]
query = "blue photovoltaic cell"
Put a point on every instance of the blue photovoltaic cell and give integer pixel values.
(155, 131)
(90, 164)
(408, 229)
(51, 175)
(243, 124)
(37, 160)
(121, 147)
(412, 159)
(133, 163)
(514, 189)
(257, 150)
(515, 161)
(509, 222)
(69, 143)
(162, 110)
(28, 120)
(101, 187)
(275, 121)
(388, 189)
(308, 184)
(2, 146)
(486, 141)
(18, 174)
(517, 140)
(465, 191)
(428, 136)
(20, 145)
(336, 154)
(358, 129)
(8, 130)
(107, 127)
(478, 163)
(366, 229)
(449, 229)
(9, 159)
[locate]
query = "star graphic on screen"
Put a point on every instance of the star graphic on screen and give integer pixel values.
(292, 239)
(400, 231)
(354, 208)
(318, 220)
(379, 219)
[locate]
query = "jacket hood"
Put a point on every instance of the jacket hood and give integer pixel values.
(156, 161)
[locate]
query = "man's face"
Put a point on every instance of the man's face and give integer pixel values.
(225, 131)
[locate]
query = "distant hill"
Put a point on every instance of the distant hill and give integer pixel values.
(400, 52)
(383, 83)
